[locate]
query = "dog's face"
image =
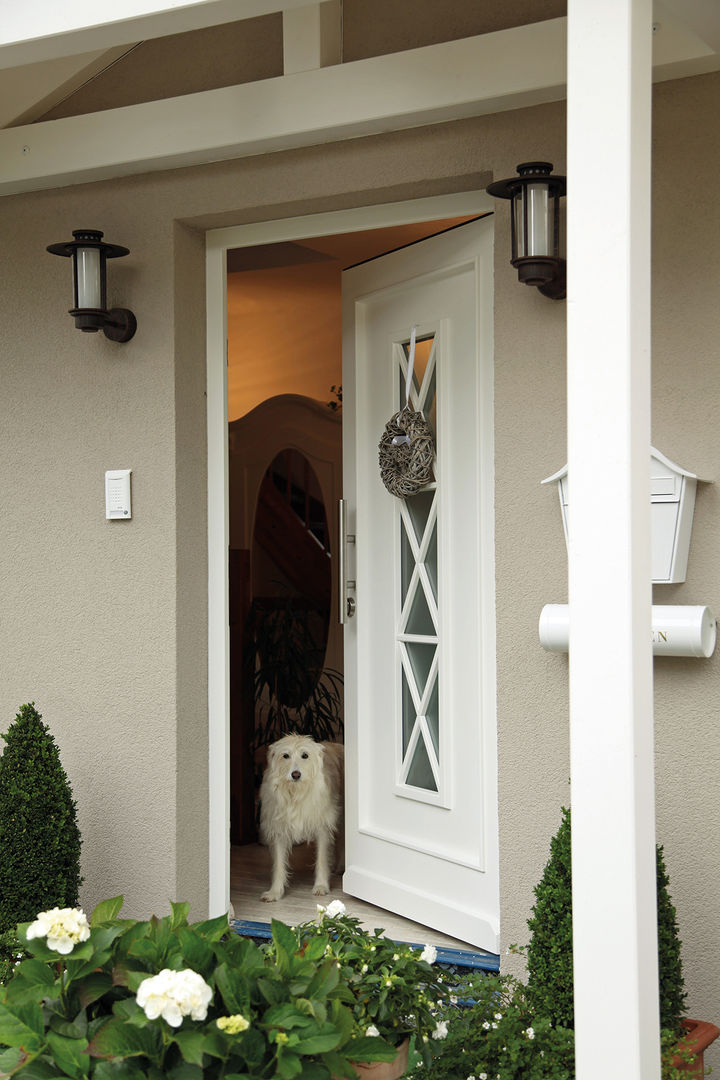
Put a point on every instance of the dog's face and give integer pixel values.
(295, 759)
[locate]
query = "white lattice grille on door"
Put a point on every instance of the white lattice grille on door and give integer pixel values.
(418, 624)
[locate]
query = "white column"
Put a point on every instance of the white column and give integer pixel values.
(611, 717)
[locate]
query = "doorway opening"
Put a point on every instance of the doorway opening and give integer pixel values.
(284, 392)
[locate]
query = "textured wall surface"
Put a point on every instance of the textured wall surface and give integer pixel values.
(104, 624)
(686, 401)
(378, 27)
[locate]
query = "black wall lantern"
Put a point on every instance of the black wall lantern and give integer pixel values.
(535, 220)
(89, 257)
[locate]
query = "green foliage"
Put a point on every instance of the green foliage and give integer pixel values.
(10, 952)
(39, 836)
(549, 953)
(500, 1036)
(390, 987)
(672, 984)
(293, 692)
(336, 404)
(285, 1010)
(512, 1031)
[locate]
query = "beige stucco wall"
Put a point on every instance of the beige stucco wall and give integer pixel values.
(104, 624)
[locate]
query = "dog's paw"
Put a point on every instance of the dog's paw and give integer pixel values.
(321, 888)
(270, 896)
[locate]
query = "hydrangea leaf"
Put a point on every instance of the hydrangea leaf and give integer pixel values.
(106, 911)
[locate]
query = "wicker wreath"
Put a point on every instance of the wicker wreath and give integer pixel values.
(406, 453)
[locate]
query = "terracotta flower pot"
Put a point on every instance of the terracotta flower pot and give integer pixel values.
(385, 1070)
(699, 1036)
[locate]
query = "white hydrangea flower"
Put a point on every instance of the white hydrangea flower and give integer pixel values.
(64, 928)
(371, 1030)
(441, 1030)
(335, 908)
(173, 995)
(429, 954)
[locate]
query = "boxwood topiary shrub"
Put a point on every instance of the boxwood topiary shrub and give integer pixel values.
(549, 953)
(39, 836)
(672, 983)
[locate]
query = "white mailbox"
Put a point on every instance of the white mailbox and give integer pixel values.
(672, 497)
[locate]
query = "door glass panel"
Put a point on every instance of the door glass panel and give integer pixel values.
(420, 773)
(423, 351)
(430, 403)
(418, 632)
(419, 507)
(420, 621)
(421, 658)
(431, 562)
(407, 563)
(409, 715)
(433, 717)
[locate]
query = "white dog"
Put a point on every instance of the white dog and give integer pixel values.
(301, 797)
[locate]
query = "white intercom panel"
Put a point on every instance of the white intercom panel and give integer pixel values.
(117, 495)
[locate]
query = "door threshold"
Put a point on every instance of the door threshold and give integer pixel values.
(250, 876)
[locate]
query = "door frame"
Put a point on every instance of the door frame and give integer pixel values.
(218, 241)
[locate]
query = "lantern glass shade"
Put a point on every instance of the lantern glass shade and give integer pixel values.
(534, 232)
(89, 278)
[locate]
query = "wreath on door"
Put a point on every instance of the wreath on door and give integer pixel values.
(406, 453)
(406, 450)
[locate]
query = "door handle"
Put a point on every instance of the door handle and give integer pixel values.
(346, 604)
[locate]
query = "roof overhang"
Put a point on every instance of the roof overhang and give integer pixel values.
(507, 69)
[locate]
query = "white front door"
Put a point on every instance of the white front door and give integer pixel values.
(420, 728)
